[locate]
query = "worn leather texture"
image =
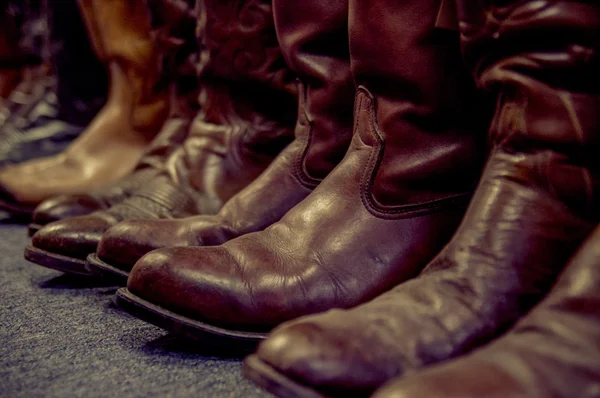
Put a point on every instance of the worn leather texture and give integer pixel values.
(536, 203)
(248, 109)
(551, 352)
(314, 42)
(376, 219)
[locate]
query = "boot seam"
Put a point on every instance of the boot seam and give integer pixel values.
(300, 174)
(370, 173)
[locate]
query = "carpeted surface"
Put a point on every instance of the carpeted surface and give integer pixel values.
(62, 337)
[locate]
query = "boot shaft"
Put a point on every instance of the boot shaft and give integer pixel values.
(314, 41)
(243, 76)
(540, 59)
(174, 32)
(427, 115)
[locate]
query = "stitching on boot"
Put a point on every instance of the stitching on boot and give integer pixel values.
(300, 173)
(370, 174)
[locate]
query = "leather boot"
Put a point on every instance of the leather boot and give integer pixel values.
(248, 102)
(536, 202)
(552, 352)
(377, 219)
(314, 42)
(117, 137)
(173, 26)
(41, 117)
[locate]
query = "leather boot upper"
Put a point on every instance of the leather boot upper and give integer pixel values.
(377, 218)
(536, 202)
(319, 54)
(558, 337)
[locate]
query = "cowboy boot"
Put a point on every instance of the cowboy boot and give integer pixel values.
(247, 113)
(173, 27)
(115, 140)
(535, 204)
(47, 112)
(377, 219)
(552, 352)
(315, 51)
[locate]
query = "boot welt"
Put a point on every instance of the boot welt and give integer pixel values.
(33, 228)
(16, 209)
(207, 335)
(270, 380)
(55, 261)
(106, 271)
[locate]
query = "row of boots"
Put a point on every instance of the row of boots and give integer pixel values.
(383, 197)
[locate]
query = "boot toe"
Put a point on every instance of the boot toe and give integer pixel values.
(302, 352)
(76, 237)
(201, 283)
(127, 242)
(324, 351)
(66, 206)
(466, 377)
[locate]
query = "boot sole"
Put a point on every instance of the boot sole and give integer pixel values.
(272, 381)
(33, 228)
(106, 271)
(208, 335)
(56, 262)
(17, 210)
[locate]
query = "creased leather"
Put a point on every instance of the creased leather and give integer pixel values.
(552, 352)
(247, 110)
(536, 202)
(319, 54)
(346, 243)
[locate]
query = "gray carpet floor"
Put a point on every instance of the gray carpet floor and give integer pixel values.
(63, 337)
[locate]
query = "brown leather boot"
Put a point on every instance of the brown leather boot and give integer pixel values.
(552, 352)
(173, 28)
(248, 109)
(536, 202)
(314, 41)
(376, 220)
(115, 140)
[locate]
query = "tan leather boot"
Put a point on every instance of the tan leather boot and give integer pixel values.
(116, 139)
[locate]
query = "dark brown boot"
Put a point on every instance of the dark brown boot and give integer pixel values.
(552, 352)
(536, 202)
(248, 104)
(117, 137)
(314, 41)
(376, 220)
